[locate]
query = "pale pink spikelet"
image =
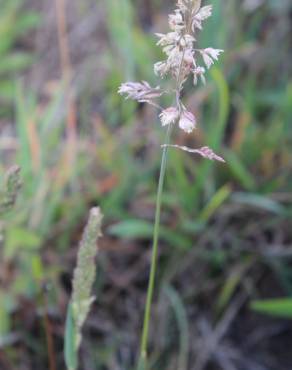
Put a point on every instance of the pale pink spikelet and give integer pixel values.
(205, 152)
(187, 122)
(210, 55)
(169, 115)
(140, 91)
(199, 72)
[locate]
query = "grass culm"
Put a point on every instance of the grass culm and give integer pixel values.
(182, 61)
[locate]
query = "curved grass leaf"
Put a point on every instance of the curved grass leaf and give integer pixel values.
(274, 307)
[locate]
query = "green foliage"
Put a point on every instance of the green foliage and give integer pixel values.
(139, 229)
(14, 24)
(40, 154)
(274, 307)
(20, 239)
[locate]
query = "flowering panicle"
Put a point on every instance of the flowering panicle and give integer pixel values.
(182, 59)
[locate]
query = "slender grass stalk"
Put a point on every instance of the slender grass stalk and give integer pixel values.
(153, 268)
(181, 61)
(147, 315)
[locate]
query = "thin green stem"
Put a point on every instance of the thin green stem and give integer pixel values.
(147, 314)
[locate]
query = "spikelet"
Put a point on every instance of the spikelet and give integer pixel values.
(11, 187)
(84, 273)
(83, 279)
(205, 152)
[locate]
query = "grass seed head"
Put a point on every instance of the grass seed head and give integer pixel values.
(182, 59)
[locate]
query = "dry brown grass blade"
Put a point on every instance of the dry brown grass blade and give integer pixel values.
(67, 76)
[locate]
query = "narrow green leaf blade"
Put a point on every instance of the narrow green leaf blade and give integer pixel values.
(274, 307)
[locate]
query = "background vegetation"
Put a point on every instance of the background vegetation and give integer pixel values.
(226, 243)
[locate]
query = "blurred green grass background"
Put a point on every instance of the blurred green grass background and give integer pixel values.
(226, 234)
